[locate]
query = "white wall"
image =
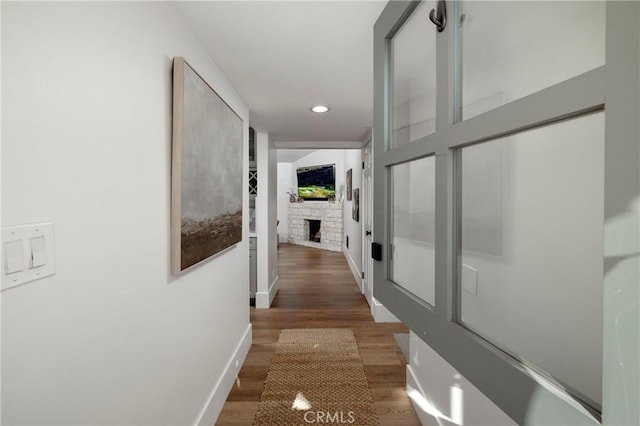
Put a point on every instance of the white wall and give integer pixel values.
(443, 396)
(353, 229)
(273, 219)
(284, 186)
(112, 337)
(1, 249)
(266, 220)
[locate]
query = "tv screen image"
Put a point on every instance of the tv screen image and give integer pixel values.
(316, 182)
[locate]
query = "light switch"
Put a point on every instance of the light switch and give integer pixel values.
(29, 253)
(13, 257)
(38, 252)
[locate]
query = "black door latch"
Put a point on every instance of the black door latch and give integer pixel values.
(376, 251)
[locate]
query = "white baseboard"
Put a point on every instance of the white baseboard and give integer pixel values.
(368, 294)
(223, 387)
(354, 269)
(264, 299)
(378, 310)
(418, 400)
(382, 314)
(273, 289)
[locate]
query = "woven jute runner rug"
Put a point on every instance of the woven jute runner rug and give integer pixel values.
(316, 377)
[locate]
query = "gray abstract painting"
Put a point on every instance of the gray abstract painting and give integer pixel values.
(207, 171)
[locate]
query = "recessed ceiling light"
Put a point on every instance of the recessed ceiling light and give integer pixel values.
(320, 108)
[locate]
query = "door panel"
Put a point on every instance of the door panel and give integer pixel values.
(518, 64)
(499, 76)
(413, 78)
(412, 259)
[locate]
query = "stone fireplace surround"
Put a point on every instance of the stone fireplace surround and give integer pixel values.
(329, 213)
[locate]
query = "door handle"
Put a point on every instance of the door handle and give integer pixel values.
(439, 15)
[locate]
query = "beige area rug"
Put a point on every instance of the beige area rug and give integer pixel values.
(316, 377)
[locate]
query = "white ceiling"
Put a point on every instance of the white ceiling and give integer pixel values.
(291, 155)
(285, 56)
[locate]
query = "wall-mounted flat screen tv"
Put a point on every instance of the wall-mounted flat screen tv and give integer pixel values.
(316, 182)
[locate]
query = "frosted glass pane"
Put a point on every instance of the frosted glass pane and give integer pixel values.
(532, 247)
(413, 230)
(512, 49)
(413, 73)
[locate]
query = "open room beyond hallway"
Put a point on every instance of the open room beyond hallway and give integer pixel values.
(317, 290)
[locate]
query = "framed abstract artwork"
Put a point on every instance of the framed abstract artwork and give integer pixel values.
(355, 207)
(349, 176)
(206, 171)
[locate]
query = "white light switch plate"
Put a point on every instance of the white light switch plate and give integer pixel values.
(37, 253)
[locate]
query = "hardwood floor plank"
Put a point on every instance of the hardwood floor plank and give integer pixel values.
(238, 413)
(317, 290)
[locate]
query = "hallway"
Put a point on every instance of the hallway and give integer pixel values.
(317, 290)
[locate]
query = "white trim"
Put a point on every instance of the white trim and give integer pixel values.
(317, 145)
(221, 390)
(354, 269)
(381, 313)
(368, 293)
(264, 299)
(418, 397)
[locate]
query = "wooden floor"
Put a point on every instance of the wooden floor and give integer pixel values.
(317, 290)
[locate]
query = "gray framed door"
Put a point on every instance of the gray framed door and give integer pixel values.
(505, 174)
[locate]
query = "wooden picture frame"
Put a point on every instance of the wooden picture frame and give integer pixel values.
(206, 172)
